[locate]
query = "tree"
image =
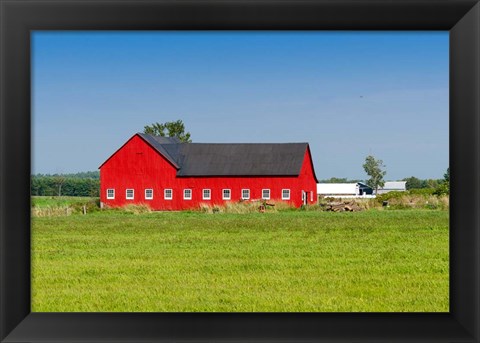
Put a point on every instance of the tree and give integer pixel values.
(59, 180)
(413, 183)
(373, 168)
(169, 129)
(444, 187)
(64, 185)
(431, 183)
(446, 176)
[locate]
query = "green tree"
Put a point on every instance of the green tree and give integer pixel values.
(431, 183)
(374, 169)
(169, 129)
(413, 183)
(446, 176)
(444, 187)
(59, 180)
(64, 185)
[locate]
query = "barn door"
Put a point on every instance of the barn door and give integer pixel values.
(304, 197)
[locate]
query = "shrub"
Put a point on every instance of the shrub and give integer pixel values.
(389, 196)
(419, 201)
(90, 206)
(399, 194)
(422, 191)
(443, 189)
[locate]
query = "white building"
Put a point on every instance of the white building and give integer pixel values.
(399, 186)
(344, 190)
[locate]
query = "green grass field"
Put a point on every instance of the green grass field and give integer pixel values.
(293, 261)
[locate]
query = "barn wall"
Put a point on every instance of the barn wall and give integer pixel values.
(139, 166)
(307, 180)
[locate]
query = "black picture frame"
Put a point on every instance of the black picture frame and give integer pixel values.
(19, 17)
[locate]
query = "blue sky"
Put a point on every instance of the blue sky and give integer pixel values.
(348, 94)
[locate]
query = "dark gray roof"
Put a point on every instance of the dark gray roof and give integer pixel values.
(159, 144)
(239, 159)
(364, 185)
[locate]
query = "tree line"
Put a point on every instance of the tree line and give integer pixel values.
(376, 170)
(86, 184)
(80, 175)
(412, 182)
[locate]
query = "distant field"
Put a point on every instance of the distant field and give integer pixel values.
(294, 261)
(53, 201)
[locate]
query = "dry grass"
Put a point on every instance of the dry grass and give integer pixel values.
(52, 211)
(66, 206)
(137, 209)
(62, 206)
(245, 207)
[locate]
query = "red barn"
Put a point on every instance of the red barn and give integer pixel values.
(166, 174)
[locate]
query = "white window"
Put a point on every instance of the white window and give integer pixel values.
(129, 194)
(110, 193)
(187, 194)
(206, 194)
(245, 194)
(226, 194)
(149, 194)
(285, 194)
(265, 194)
(168, 194)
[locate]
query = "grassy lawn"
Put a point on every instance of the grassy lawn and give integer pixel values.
(287, 261)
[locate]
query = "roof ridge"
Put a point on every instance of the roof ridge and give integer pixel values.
(159, 147)
(234, 143)
(243, 143)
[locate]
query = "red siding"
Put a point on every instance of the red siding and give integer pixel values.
(138, 166)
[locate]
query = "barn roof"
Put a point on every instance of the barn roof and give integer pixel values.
(159, 144)
(238, 159)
